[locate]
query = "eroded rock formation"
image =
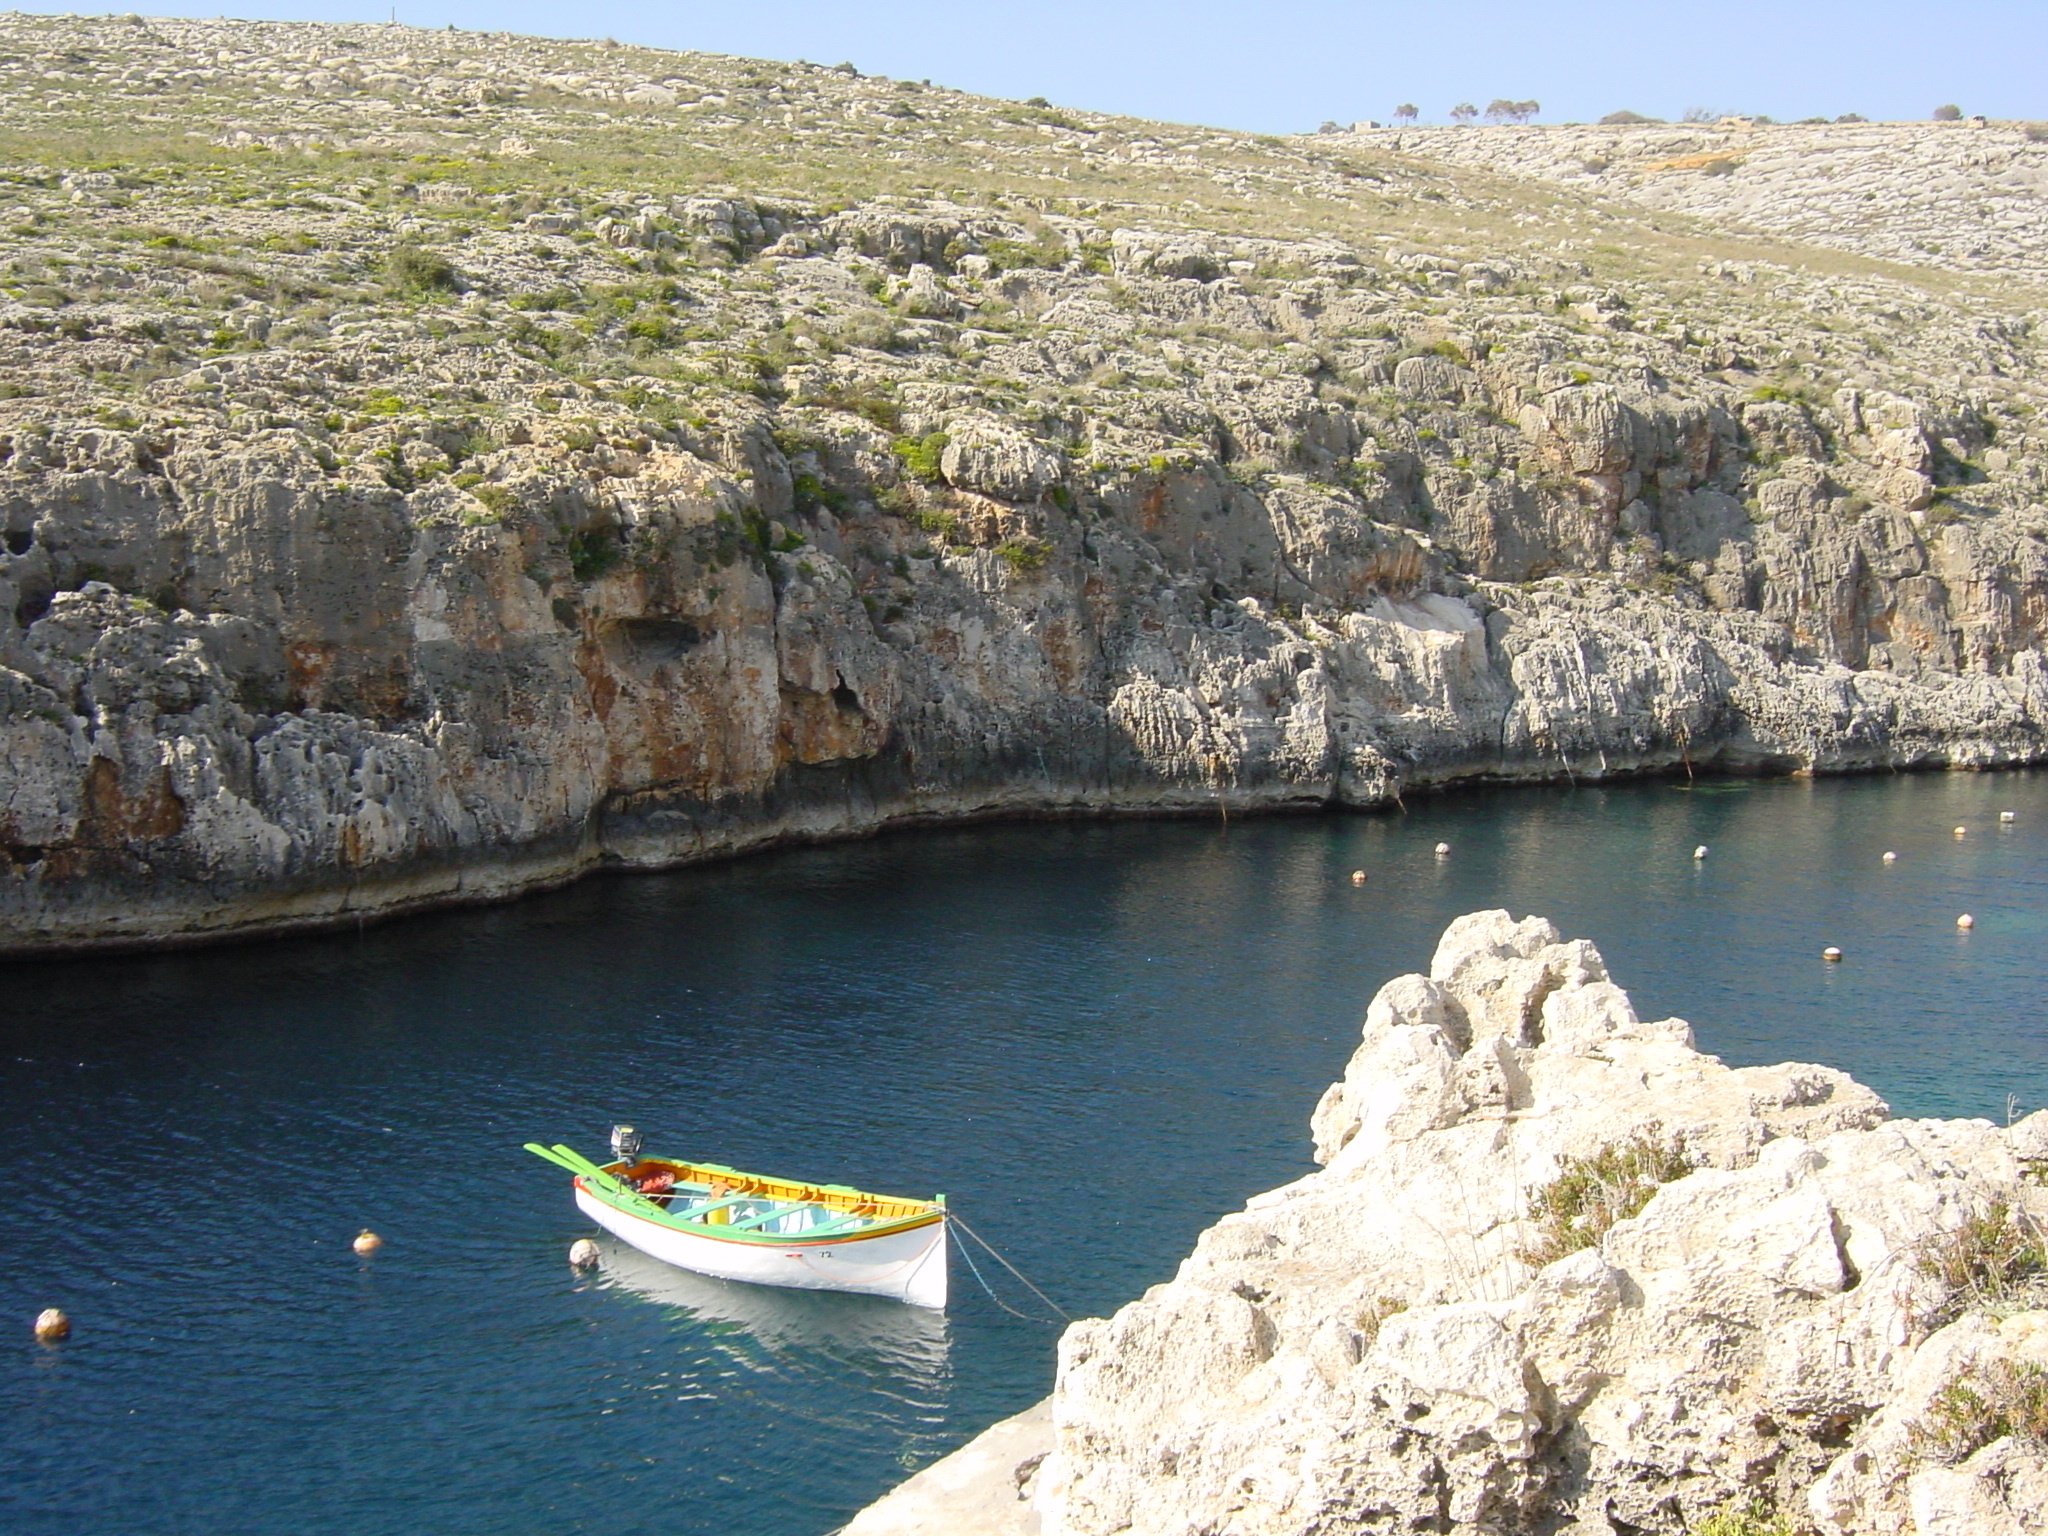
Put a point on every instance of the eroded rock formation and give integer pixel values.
(1801, 1310)
(1382, 1347)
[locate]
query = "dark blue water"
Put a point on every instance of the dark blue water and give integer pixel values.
(1094, 1038)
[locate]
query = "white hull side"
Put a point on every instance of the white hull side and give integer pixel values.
(904, 1266)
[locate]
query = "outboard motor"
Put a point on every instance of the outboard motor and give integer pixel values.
(625, 1145)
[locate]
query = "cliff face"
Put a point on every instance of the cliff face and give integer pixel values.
(1832, 1315)
(381, 529)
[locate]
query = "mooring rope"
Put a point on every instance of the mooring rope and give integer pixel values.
(954, 1218)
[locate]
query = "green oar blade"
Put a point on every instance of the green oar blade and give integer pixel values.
(576, 1162)
(544, 1153)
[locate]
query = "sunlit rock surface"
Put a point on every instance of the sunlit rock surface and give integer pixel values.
(1382, 1346)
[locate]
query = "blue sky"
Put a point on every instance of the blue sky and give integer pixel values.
(1287, 65)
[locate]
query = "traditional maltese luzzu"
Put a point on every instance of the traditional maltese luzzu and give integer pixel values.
(770, 1231)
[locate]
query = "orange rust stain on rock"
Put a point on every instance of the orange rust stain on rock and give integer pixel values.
(113, 817)
(1152, 507)
(308, 663)
(597, 677)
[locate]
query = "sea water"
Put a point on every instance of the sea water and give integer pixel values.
(1094, 1038)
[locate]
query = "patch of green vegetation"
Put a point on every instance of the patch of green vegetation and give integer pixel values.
(1047, 250)
(920, 455)
(1751, 1516)
(936, 520)
(1590, 1194)
(1987, 1402)
(594, 551)
(1781, 394)
(810, 493)
(869, 402)
(1996, 1261)
(1023, 553)
(497, 498)
(415, 270)
(544, 301)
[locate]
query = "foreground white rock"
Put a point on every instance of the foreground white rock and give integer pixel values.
(1367, 1349)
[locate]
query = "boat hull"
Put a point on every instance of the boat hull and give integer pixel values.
(904, 1265)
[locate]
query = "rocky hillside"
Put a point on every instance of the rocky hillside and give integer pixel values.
(1967, 197)
(1561, 1273)
(437, 464)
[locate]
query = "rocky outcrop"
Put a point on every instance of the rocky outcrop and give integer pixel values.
(248, 694)
(1560, 1272)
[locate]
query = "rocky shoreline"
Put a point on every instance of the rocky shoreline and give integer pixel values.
(421, 516)
(1560, 1272)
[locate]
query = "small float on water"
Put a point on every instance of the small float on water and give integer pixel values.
(746, 1226)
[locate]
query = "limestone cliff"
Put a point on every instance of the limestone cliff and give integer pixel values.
(1560, 1272)
(434, 510)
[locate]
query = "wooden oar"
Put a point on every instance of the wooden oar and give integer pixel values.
(542, 1152)
(576, 1162)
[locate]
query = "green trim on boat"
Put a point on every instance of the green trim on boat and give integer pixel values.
(614, 1192)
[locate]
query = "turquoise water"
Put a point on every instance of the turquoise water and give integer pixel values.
(1094, 1038)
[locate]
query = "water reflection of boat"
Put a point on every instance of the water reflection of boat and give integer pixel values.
(864, 1332)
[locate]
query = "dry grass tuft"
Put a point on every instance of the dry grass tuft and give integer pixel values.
(1987, 1403)
(1590, 1194)
(1994, 1262)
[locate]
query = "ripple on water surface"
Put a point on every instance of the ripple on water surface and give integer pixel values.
(1094, 1038)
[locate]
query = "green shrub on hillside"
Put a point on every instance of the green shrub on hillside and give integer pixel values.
(920, 456)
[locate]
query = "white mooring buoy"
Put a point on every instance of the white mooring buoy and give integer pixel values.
(584, 1254)
(2008, 816)
(1890, 857)
(367, 1242)
(1700, 852)
(1966, 921)
(1831, 953)
(1443, 850)
(52, 1325)
(1962, 831)
(1358, 877)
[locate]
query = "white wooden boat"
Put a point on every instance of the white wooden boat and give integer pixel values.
(771, 1231)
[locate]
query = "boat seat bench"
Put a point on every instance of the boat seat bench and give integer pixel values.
(695, 1212)
(767, 1216)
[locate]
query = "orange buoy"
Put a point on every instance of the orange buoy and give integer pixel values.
(52, 1325)
(367, 1242)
